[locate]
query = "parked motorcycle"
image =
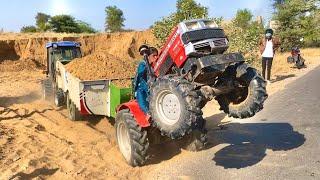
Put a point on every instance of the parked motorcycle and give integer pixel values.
(296, 58)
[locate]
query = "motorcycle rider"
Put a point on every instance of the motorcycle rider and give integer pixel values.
(141, 91)
(268, 45)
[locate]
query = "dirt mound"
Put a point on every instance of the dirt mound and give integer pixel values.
(124, 45)
(19, 65)
(101, 65)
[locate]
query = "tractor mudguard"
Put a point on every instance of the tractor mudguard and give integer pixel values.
(141, 118)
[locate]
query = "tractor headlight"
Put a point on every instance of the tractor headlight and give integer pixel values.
(193, 25)
(210, 24)
(55, 46)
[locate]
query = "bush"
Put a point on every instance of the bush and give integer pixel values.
(85, 27)
(28, 29)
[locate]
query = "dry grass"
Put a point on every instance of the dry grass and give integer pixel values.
(311, 55)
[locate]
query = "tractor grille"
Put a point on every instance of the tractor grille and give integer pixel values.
(202, 34)
(220, 42)
(199, 46)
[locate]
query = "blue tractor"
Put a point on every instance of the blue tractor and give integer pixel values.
(65, 52)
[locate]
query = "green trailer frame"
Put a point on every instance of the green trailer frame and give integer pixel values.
(117, 97)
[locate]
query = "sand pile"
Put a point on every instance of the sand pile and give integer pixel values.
(101, 65)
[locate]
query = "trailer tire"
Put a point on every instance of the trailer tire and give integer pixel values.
(73, 112)
(247, 101)
(59, 98)
(174, 106)
(131, 138)
(47, 90)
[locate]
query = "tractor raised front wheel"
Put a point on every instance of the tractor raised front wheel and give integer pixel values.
(174, 106)
(248, 98)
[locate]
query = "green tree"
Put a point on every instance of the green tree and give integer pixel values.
(42, 21)
(64, 23)
(28, 29)
(297, 19)
(186, 9)
(189, 9)
(85, 27)
(245, 40)
(114, 19)
(243, 18)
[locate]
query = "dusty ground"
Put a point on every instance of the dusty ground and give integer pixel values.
(38, 141)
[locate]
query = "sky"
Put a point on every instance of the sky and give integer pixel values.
(139, 14)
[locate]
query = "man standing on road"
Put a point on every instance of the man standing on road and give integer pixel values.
(268, 45)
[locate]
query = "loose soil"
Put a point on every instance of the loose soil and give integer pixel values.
(20, 65)
(101, 65)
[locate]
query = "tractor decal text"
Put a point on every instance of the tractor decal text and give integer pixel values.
(165, 51)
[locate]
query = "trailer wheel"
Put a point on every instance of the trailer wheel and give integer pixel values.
(47, 90)
(73, 112)
(59, 99)
(131, 138)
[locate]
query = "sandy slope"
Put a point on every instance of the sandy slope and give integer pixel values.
(38, 141)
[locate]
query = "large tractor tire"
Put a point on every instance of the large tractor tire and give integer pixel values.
(59, 98)
(247, 99)
(47, 90)
(174, 106)
(197, 139)
(131, 138)
(73, 112)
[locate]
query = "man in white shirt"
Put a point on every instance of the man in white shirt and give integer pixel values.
(268, 45)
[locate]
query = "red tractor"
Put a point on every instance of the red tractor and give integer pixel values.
(191, 70)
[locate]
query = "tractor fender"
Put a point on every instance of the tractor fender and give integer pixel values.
(141, 118)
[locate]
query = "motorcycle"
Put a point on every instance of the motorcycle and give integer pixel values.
(296, 58)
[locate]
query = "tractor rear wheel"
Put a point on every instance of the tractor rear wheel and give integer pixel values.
(247, 99)
(174, 106)
(73, 112)
(131, 138)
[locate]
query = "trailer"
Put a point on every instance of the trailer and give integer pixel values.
(82, 97)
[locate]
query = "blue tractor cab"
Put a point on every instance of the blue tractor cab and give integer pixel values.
(63, 51)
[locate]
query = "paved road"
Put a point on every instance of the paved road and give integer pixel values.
(281, 142)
